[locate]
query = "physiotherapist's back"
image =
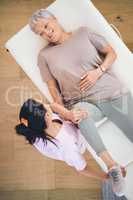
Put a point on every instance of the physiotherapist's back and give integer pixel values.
(70, 145)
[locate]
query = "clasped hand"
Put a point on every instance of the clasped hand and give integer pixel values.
(77, 114)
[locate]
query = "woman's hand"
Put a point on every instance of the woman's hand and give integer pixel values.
(76, 115)
(89, 79)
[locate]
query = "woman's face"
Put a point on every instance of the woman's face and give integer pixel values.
(49, 29)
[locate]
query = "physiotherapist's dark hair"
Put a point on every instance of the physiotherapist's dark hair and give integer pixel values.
(34, 112)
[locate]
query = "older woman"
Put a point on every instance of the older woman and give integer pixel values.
(77, 68)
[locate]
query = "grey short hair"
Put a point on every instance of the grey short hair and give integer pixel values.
(39, 14)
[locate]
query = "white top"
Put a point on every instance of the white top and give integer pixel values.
(71, 145)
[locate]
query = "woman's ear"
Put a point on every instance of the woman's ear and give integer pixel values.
(46, 116)
(24, 121)
(47, 107)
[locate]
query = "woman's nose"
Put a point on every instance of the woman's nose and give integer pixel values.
(49, 31)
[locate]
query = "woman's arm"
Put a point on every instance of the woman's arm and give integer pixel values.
(110, 57)
(89, 79)
(48, 77)
(52, 86)
(103, 46)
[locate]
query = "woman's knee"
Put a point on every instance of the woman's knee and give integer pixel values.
(93, 111)
(83, 106)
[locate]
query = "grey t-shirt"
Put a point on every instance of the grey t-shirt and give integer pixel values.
(69, 61)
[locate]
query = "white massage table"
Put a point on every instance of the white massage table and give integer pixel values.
(25, 45)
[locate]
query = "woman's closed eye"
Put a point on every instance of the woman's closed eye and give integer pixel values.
(45, 27)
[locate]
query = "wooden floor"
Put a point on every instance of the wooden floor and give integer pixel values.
(58, 194)
(23, 171)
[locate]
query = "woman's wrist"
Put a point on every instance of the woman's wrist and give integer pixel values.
(67, 115)
(99, 72)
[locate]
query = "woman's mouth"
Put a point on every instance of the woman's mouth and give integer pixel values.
(53, 37)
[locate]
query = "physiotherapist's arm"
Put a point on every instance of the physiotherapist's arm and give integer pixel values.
(61, 110)
(74, 115)
(91, 173)
(52, 86)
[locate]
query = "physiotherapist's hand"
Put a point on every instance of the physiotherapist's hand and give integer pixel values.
(89, 79)
(77, 114)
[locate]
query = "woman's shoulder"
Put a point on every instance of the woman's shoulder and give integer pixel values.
(44, 52)
(84, 29)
